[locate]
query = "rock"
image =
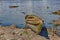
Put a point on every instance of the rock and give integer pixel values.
(1, 31)
(57, 12)
(13, 26)
(56, 22)
(38, 38)
(13, 33)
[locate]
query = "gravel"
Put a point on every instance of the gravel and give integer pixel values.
(13, 33)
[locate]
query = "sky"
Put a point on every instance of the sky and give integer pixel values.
(37, 7)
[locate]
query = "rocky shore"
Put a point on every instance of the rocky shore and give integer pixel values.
(13, 33)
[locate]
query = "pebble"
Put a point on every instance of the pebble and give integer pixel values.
(13, 33)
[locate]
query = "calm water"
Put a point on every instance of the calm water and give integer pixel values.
(10, 16)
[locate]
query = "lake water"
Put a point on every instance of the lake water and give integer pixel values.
(42, 8)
